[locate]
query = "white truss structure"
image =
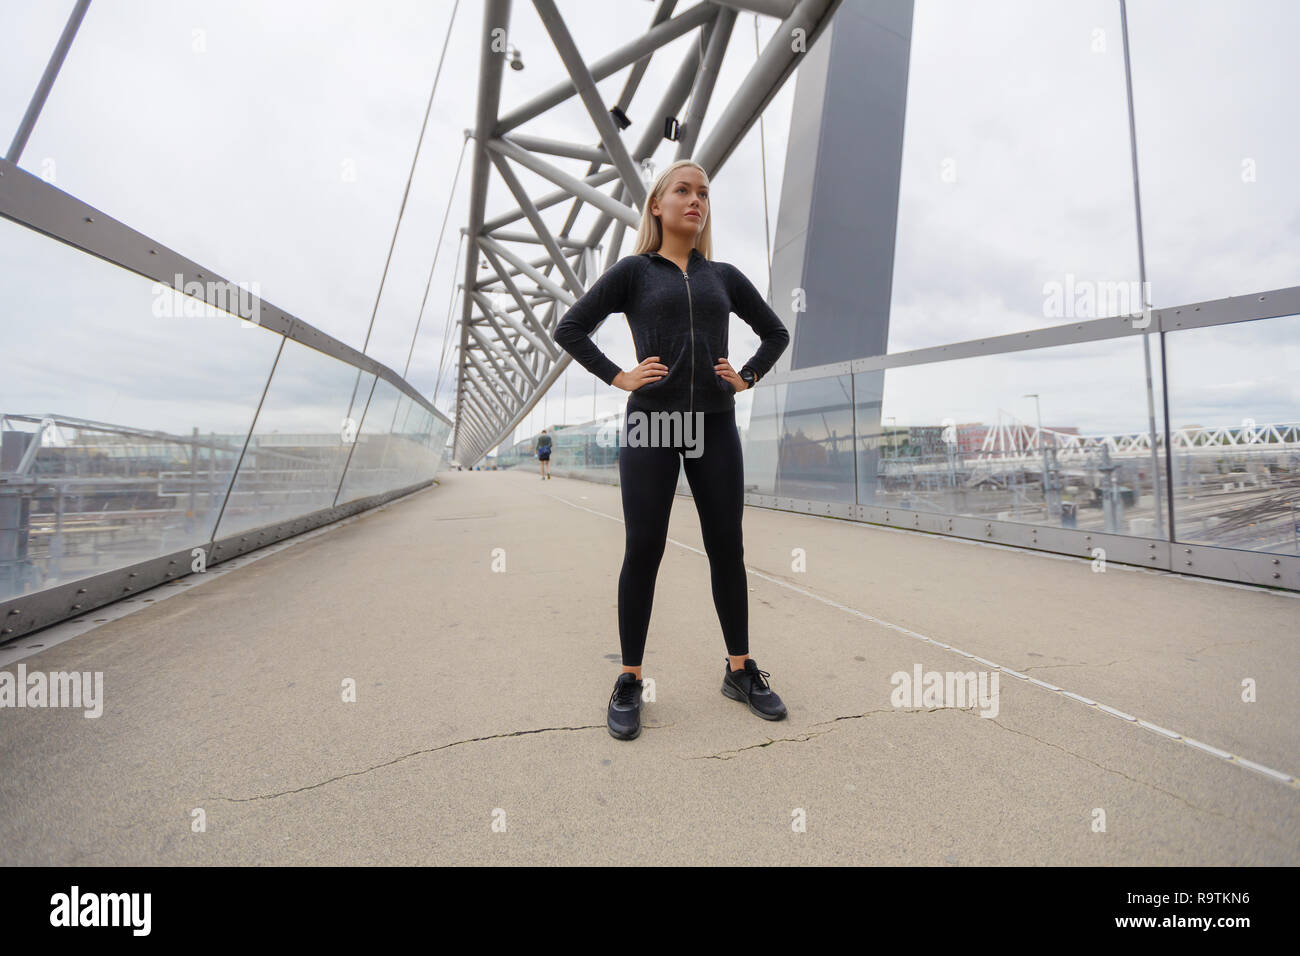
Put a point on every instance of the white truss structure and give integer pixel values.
(1018, 440)
(508, 357)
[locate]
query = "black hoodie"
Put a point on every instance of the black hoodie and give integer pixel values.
(681, 317)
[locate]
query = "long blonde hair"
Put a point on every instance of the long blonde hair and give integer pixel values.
(650, 236)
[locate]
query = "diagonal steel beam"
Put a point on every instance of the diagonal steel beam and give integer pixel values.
(551, 199)
(542, 281)
(543, 335)
(537, 343)
(574, 185)
(535, 219)
(520, 365)
(658, 36)
(772, 8)
(596, 108)
(705, 80)
(765, 79)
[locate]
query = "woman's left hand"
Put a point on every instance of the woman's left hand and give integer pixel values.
(724, 369)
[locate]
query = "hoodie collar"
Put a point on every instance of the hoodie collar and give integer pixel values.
(692, 258)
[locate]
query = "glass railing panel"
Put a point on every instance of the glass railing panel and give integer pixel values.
(124, 408)
(375, 464)
(1055, 436)
(295, 457)
(1234, 409)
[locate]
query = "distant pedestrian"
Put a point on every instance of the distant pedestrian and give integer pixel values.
(544, 454)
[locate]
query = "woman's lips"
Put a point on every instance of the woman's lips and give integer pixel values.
(696, 215)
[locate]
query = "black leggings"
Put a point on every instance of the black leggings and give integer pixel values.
(648, 477)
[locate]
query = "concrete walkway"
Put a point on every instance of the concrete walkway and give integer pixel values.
(478, 619)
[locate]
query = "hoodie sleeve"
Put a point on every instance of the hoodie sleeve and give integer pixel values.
(759, 316)
(610, 293)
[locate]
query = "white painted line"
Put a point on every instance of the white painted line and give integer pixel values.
(1207, 748)
(1118, 713)
(1160, 730)
(1286, 778)
(1043, 683)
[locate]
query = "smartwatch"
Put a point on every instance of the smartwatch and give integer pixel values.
(748, 376)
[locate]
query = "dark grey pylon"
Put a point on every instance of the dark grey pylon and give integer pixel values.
(839, 197)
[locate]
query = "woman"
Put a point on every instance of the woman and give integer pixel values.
(678, 302)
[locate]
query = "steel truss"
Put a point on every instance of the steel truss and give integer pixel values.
(508, 357)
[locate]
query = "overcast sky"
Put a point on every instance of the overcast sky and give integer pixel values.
(272, 141)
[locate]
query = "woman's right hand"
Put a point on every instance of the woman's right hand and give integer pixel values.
(651, 370)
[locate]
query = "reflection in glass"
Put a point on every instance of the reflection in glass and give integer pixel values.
(759, 440)
(1234, 408)
(1054, 436)
(373, 467)
(816, 443)
(123, 410)
(418, 442)
(295, 457)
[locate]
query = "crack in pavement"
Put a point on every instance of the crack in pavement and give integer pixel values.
(1026, 670)
(771, 740)
(1222, 644)
(889, 710)
(809, 735)
(1143, 783)
(414, 753)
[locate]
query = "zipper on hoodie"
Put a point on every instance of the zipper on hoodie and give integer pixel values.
(690, 305)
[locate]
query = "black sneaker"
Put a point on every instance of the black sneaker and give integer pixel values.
(750, 685)
(625, 707)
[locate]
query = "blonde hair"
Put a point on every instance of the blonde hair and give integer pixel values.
(650, 236)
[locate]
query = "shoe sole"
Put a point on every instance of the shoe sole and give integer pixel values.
(617, 736)
(729, 691)
(621, 736)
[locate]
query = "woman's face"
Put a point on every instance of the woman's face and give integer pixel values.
(684, 206)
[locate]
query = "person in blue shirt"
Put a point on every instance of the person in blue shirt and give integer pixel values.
(544, 453)
(681, 413)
